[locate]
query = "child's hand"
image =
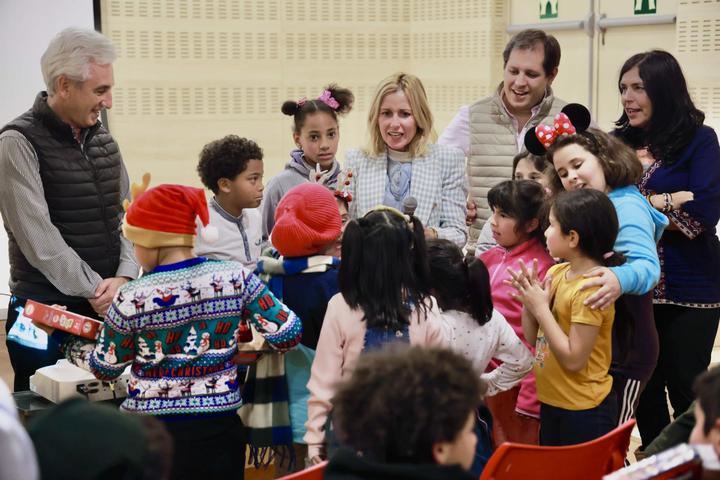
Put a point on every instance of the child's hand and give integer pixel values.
(534, 294)
(319, 176)
(531, 274)
(45, 328)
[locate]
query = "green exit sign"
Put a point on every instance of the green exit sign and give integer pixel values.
(548, 9)
(644, 7)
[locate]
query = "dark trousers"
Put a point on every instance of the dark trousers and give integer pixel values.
(484, 448)
(26, 360)
(686, 341)
(627, 395)
(207, 447)
(559, 426)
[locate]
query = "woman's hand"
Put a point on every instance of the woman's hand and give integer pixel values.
(471, 214)
(608, 292)
(430, 233)
(681, 198)
(678, 199)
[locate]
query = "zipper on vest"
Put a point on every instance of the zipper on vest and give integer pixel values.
(103, 209)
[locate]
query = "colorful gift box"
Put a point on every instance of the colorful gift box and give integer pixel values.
(63, 320)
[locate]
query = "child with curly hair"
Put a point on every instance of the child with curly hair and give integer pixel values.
(232, 168)
(423, 430)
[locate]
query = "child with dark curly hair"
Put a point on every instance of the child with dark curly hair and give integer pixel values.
(406, 413)
(232, 168)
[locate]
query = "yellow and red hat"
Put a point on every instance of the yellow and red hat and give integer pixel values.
(165, 216)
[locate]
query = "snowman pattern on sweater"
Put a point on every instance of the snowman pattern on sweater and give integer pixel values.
(181, 349)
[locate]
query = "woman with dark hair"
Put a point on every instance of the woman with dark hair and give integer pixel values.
(681, 160)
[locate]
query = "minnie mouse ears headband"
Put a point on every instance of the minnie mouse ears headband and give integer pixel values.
(573, 118)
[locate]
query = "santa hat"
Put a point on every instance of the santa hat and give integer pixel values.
(164, 216)
(306, 220)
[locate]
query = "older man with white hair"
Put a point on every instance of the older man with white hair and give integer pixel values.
(62, 183)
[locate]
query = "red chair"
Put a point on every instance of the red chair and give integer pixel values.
(316, 472)
(587, 461)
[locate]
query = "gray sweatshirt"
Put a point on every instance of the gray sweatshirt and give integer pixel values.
(296, 171)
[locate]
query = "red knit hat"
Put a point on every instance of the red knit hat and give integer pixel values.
(164, 216)
(307, 219)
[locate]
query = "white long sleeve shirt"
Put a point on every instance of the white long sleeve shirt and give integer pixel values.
(480, 344)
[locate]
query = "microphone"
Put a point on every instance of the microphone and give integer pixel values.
(409, 205)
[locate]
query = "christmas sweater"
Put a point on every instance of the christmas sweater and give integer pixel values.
(177, 327)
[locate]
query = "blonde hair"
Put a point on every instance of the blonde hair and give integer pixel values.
(413, 89)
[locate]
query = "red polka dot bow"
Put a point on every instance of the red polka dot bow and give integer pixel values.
(547, 134)
(574, 118)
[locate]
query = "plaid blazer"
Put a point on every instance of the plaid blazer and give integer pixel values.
(438, 183)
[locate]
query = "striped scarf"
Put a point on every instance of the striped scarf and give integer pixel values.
(265, 410)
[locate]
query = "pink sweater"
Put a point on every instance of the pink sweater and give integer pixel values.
(497, 260)
(341, 342)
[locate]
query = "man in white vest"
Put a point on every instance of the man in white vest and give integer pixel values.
(491, 131)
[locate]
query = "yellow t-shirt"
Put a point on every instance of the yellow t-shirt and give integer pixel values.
(588, 387)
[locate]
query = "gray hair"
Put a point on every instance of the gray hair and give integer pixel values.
(71, 52)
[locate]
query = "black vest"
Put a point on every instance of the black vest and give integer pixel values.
(82, 190)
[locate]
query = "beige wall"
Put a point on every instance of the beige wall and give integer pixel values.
(694, 39)
(192, 71)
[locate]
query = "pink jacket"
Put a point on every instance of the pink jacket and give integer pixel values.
(497, 260)
(341, 342)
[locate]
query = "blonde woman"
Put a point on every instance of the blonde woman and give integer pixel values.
(400, 163)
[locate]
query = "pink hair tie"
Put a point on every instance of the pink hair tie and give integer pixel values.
(302, 101)
(328, 100)
(608, 255)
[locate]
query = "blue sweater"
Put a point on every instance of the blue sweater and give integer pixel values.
(690, 256)
(640, 229)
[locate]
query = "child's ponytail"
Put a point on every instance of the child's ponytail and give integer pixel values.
(290, 108)
(613, 259)
(459, 283)
(384, 269)
(353, 260)
(481, 306)
(333, 100)
(420, 256)
(342, 96)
